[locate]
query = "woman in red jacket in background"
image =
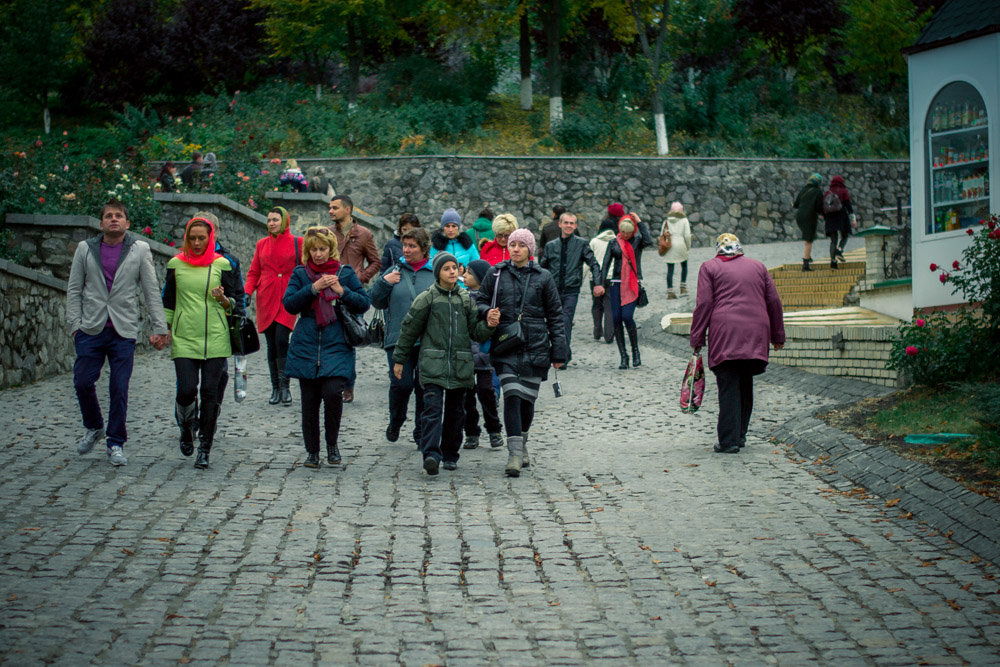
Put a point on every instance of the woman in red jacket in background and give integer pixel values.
(274, 258)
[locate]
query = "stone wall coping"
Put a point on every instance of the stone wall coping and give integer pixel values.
(877, 230)
(298, 196)
(31, 274)
(640, 158)
(54, 220)
(216, 200)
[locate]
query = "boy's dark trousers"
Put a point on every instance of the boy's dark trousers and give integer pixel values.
(488, 401)
(437, 440)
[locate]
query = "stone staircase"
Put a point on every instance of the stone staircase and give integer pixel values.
(822, 287)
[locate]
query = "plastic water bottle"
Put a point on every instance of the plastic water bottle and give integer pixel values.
(240, 379)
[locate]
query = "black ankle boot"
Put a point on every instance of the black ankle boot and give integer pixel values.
(285, 392)
(620, 339)
(201, 461)
(332, 455)
(805, 264)
(272, 366)
(633, 338)
(312, 460)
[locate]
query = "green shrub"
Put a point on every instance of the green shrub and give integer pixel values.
(583, 129)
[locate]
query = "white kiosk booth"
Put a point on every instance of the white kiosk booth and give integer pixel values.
(954, 75)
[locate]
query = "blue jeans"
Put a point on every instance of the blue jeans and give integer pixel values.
(91, 351)
(621, 313)
(569, 310)
(437, 440)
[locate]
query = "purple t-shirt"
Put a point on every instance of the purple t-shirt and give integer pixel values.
(110, 254)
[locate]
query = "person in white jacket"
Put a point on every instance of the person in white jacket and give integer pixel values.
(680, 244)
(600, 308)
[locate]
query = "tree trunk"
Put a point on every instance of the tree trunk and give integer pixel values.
(654, 56)
(353, 65)
(660, 123)
(527, 99)
(555, 66)
(47, 118)
(319, 91)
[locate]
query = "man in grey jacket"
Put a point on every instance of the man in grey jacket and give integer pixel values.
(564, 257)
(103, 316)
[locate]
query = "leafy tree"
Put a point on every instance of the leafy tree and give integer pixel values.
(124, 52)
(651, 18)
(873, 36)
(35, 39)
(786, 25)
(219, 43)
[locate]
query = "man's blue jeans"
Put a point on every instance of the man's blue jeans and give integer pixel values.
(569, 301)
(91, 351)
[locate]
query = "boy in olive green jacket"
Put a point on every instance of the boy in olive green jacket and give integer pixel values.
(444, 320)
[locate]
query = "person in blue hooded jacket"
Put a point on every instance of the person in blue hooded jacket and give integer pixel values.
(449, 238)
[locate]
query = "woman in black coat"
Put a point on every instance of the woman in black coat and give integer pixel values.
(635, 233)
(510, 284)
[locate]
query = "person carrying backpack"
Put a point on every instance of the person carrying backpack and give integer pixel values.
(838, 214)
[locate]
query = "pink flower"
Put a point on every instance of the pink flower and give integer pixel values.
(943, 277)
(911, 351)
(991, 224)
(148, 230)
(172, 244)
(38, 143)
(65, 167)
(954, 265)
(41, 200)
(65, 133)
(920, 322)
(969, 232)
(65, 145)
(263, 172)
(933, 266)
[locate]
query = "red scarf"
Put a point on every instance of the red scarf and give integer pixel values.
(323, 306)
(630, 279)
(206, 258)
(416, 266)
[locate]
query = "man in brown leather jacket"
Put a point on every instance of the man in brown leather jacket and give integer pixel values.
(357, 248)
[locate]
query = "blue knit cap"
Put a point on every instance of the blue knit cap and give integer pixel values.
(451, 217)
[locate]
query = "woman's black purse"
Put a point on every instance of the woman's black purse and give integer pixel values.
(508, 337)
(354, 325)
(643, 300)
(243, 338)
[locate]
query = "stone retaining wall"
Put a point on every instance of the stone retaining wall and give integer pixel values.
(752, 197)
(311, 209)
(239, 226)
(864, 353)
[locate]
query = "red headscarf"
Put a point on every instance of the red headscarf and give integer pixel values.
(205, 258)
(630, 279)
(838, 188)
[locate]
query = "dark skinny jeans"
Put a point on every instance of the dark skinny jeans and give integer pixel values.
(329, 392)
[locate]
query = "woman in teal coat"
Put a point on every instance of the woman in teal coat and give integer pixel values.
(201, 288)
(318, 353)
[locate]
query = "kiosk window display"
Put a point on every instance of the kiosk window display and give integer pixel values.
(959, 159)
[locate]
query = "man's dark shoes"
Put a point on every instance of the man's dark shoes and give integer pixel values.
(332, 455)
(731, 449)
(431, 465)
(450, 465)
(312, 460)
(392, 433)
(201, 461)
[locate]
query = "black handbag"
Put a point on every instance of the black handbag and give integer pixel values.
(643, 300)
(243, 338)
(354, 325)
(376, 329)
(509, 337)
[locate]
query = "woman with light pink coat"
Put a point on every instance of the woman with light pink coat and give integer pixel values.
(739, 309)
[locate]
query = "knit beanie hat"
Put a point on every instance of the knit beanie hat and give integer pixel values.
(479, 268)
(616, 210)
(439, 261)
(451, 217)
(525, 236)
(815, 179)
(677, 208)
(505, 223)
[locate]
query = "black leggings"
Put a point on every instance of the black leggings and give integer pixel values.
(276, 336)
(329, 391)
(210, 372)
(517, 415)
(834, 246)
(670, 273)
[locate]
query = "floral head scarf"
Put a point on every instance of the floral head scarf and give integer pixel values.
(728, 245)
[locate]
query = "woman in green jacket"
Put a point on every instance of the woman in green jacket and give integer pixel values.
(201, 289)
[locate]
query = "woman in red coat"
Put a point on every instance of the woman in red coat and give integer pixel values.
(495, 251)
(275, 257)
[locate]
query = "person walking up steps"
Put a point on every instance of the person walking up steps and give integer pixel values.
(318, 353)
(102, 313)
(524, 292)
(838, 213)
(445, 321)
(808, 206)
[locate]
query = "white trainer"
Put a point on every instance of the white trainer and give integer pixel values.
(89, 439)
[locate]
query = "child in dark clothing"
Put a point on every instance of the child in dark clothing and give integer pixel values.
(474, 274)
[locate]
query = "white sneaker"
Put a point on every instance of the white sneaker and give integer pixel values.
(89, 439)
(116, 456)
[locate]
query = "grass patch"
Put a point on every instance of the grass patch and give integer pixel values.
(924, 410)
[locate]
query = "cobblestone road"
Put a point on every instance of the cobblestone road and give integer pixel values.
(628, 540)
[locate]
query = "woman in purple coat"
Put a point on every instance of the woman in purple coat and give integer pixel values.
(739, 308)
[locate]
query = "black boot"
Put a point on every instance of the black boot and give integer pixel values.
(633, 338)
(187, 419)
(272, 366)
(312, 459)
(332, 455)
(286, 394)
(206, 433)
(805, 264)
(620, 339)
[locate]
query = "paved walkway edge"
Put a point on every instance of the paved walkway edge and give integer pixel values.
(964, 516)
